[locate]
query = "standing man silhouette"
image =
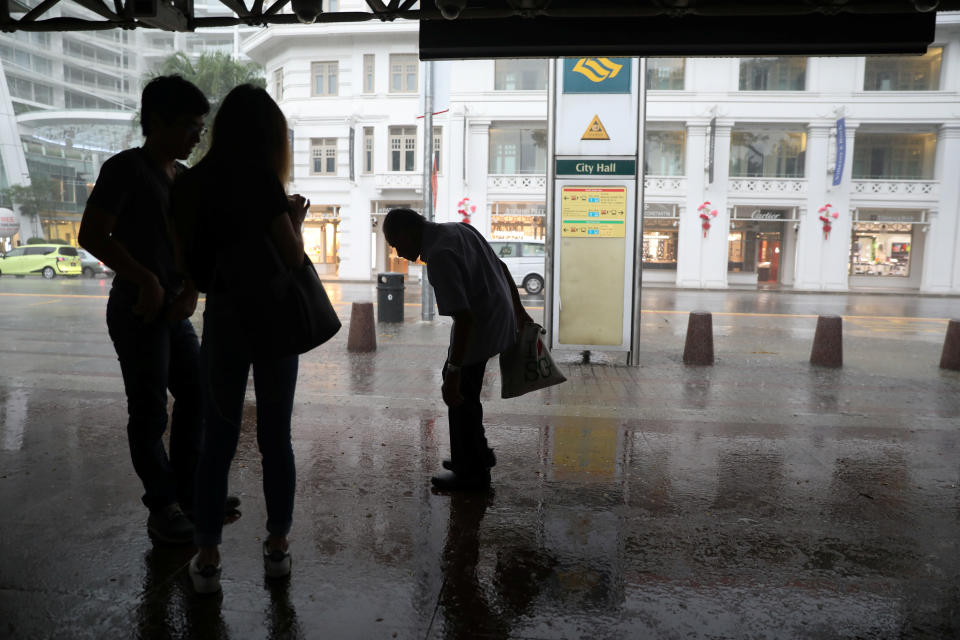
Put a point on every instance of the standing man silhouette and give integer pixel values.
(126, 224)
(474, 287)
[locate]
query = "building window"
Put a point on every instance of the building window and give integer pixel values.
(324, 78)
(663, 153)
(894, 156)
(437, 147)
(323, 153)
(786, 73)
(665, 74)
(368, 150)
(330, 6)
(520, 75)
(517, 149)
(369, 64)
(881, 249)
(760, 153)
(403, 149)
(404, 68)
(903, 73)
(278, 84)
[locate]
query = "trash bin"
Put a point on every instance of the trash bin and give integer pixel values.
(390, 297)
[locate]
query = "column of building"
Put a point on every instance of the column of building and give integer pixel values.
(823, 256)
(478, 158)
(689, 235)
(941, 264)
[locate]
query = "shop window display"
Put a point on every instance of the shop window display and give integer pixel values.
(517, 221)
(659, 244)
(881, 249)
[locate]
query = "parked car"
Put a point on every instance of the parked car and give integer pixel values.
(525, 259)
(49, 260)
(93, 267)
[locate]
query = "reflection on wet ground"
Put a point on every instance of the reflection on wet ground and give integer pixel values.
(756, 498)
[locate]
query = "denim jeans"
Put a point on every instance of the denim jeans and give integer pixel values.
(226, 367)
(154, 357)
(468, 442)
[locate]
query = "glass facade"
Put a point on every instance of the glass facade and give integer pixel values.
(517, 149)
(664, 152)
(881, 249)
(518, 220)
(903, 73)
(783, 73)
(894, 156)
(520, 75)
(767, 153)
(665, 74)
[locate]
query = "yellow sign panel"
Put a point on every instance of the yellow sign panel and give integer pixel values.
(595, 131)
(593, 212)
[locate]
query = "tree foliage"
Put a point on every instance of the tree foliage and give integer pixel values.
(215, 74)
(35, 198)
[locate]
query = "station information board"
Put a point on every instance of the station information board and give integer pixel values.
(593, 212)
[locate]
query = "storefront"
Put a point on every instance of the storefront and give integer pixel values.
(321, 237)
(761, 245)
(661, 225)
(383, 256)
(518, 220)
(886, 248)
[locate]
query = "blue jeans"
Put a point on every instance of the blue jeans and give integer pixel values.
(226, 367)
(154, 357)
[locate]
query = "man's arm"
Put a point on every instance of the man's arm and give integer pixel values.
(463, 328)
(518, 310)
(96, 229)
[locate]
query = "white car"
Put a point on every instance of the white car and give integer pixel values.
(525, 259)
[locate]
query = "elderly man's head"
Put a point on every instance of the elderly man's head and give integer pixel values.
(403, 229)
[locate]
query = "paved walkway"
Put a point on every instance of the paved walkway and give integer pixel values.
(756, 498)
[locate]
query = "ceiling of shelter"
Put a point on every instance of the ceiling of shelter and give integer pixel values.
(533, 28)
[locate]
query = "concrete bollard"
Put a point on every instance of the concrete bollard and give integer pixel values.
(363, 331)
(698, 348)
(828, 342)
(950, 358)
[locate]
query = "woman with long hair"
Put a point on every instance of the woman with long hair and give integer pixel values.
(228, 209)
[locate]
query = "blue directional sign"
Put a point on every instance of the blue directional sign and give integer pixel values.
(596, 75)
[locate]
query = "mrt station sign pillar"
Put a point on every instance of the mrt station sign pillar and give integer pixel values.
(595, 193)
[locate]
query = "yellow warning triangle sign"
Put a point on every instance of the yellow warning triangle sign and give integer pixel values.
(595, 131)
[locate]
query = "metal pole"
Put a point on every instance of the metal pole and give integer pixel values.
(634, 356)
(549, 270)
(426, 291)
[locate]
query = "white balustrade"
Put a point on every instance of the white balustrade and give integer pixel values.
(924, 188)
(520, 183)
(767, 185)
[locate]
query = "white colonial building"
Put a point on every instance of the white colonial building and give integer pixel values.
(351, 94)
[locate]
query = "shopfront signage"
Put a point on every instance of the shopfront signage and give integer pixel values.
(659, 210)
(9, 223)
(762, 214)
(596, 75)
(893, 218)
(583, 167)
(593, 212)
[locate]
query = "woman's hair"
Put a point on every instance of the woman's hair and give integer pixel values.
(250, 125)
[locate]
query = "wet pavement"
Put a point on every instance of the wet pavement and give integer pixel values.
(760, 497)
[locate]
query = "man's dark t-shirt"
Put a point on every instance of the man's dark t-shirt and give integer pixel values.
(137, 192)
(220, 206)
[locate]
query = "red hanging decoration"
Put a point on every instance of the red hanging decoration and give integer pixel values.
(827, 217)
(705, 214)
(465, 209)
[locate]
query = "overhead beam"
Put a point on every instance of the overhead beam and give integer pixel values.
(39, 10)
(237, 6)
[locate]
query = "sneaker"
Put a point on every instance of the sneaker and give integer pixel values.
(205, 579)
(277, 563)
(169, 525)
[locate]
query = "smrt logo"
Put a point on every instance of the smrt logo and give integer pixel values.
(597, 69)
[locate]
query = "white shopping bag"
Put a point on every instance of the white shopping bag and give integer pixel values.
(527, 365)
